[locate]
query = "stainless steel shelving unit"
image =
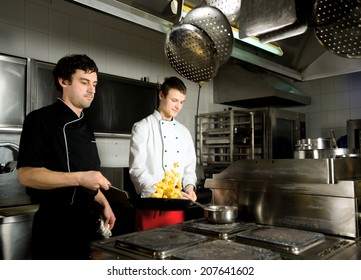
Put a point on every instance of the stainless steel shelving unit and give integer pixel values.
(228, 136)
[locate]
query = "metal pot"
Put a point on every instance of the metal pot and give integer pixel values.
(221, 214)
(326, 153)
(314, 144)
(218, 214)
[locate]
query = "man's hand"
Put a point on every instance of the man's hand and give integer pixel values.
(189, 193)
(94, 180)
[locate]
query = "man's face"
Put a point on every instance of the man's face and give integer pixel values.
(172, 104)
(78, 94)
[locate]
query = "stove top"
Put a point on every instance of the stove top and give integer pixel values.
(225, 250)
(159, 243)
(221, 231)
(287, 239)
(293, 243)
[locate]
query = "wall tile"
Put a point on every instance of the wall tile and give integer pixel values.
(129, 67)
(314, 87)
(98, 18)
(355, 113)
(355, 98)
(79, 12)
(37, 17)
(156, 72)
(37, 45)
(143, 47)
(13, 13)
(79, 30)
(341, 83)
(60, 6)
(315, 105)
(114, 39)
(143, 68)
(327, 85)
(157, 52)
(313, 121)
(129, 44)
(341, 117)
(78, 47)
(342, 100)
(355, 81)
(328, 119)
(114, 63)
(12, 40)
(97, 35)
(327, 102)
(59, 24)
(58, 47)
(99, 56)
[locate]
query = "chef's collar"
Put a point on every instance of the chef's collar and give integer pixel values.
(159, 116)
(62, 101)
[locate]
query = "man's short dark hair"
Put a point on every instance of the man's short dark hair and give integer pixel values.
(173, 82)
(67, 66)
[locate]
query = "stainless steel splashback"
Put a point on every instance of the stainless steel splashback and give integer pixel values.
(313, 194)
(325, 170)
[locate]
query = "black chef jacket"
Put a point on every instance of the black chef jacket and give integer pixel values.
(54, 137)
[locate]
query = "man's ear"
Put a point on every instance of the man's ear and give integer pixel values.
(63, 82)
(161, 95)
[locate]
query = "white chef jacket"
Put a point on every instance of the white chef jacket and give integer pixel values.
(155, 146)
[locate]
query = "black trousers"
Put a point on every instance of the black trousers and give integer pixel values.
(64, 232)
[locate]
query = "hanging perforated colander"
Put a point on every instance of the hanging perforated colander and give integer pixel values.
(337, 26)
(217, 26)
(191, 52)
(230, 8)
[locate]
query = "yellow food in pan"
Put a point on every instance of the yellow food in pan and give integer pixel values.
(170, 186)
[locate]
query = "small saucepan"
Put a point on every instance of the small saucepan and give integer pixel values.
(218, 214)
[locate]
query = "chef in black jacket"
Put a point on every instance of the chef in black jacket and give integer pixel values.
(59, 164)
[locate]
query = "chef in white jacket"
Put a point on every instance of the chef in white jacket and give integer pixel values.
(157, 143)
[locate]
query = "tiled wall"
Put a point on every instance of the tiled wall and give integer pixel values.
(334, 101)
(48, 29)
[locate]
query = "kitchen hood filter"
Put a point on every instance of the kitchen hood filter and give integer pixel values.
(236, 86)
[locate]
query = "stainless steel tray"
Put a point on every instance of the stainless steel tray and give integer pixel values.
(281, 238)
(159, 243)
(225, 250)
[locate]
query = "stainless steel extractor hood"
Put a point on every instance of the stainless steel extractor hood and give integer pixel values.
(248, 86)
(304, 57)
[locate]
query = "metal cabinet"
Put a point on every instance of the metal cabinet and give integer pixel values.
(227, 136)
